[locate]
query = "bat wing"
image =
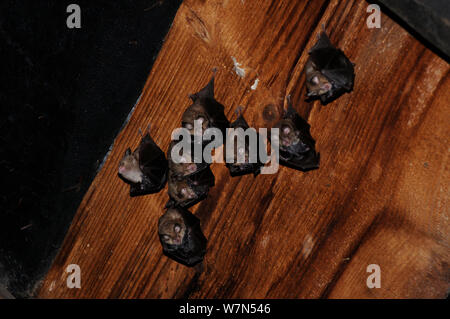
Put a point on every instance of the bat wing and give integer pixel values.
(153, 163)
(216, 114)
(190, 253)
(322, 42)
(194, 244)
(340, 78)
(304, 163)
(146, 187)
(193, 248)
(206, 92)
(335, 66)
(244, 169)
(205, 178)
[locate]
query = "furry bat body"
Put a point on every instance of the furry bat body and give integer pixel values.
(329, 73)
(189, 190)
(145, 169)
(189, 182)
(181, 236)
(297, 147)
(238, 169)
(186, 166)
(206, 109)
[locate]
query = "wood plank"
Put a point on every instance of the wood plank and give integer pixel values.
(379, 197)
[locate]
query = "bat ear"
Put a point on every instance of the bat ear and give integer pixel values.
(207, 91)
(238, 110)
(315, 80)
(290, 109)
(193, 97)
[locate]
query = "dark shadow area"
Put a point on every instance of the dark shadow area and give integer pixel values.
(64, 96)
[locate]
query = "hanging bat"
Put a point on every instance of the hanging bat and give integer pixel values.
(329, 73)
(187, 166)
(206, 109)
(188, 190)
(238, 169)
(295, 141)
(145, 169)
(181, 237)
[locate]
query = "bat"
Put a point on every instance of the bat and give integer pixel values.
(189, 182)
(239, 169)
(206, 109)
(186, 191)
(145, 169)
(181, 237)
(186, 166)
(297, 147)
(329, 73)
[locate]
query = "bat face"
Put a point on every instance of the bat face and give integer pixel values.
(172, 228)
(289, 134)
(316, 83)
(129, 167)
(180, 190)
(181, 236)
(329, 72)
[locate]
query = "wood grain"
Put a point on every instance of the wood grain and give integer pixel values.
(379, 197)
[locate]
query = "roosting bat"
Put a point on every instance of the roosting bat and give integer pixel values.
(296, 144)
(187, 166)
(181, 237)
(189, 190)
(145, 169)
(329, 73)
(206, 109)
(238, 169)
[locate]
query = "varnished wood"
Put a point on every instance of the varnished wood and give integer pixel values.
(379, 197)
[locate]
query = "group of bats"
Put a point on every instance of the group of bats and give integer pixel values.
(329, 73)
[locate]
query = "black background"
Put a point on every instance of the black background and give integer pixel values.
(64, 95)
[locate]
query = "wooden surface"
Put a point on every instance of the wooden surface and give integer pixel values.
(379, 197)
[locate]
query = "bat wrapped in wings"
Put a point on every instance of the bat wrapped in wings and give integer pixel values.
(189, 190)
(189, 182)
(145, 169)
(247, 166)
(181, 237)
(329, 73)
(297, 147)
(205, 109)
